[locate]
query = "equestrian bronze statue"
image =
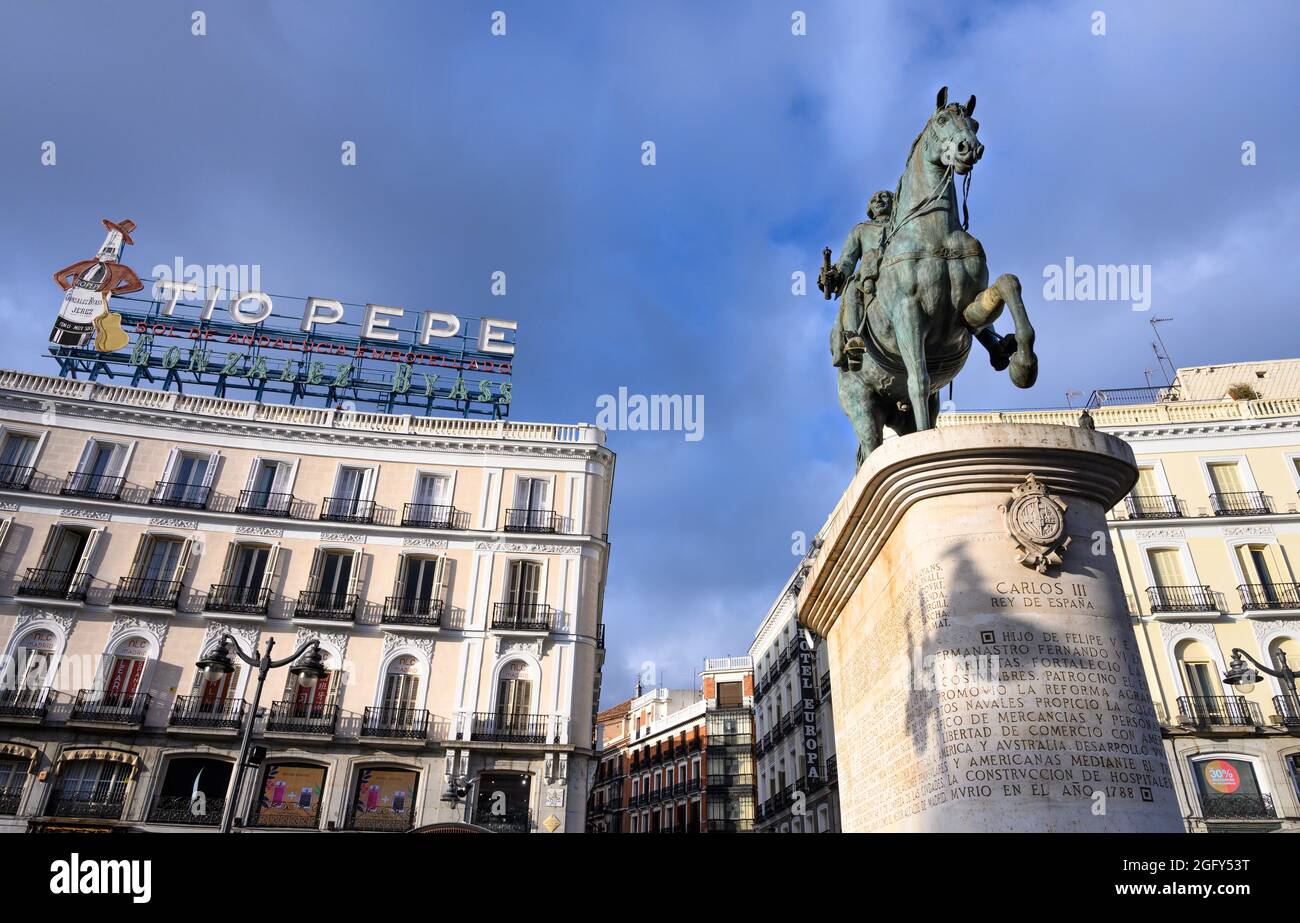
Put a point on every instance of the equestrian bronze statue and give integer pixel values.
(915, 291)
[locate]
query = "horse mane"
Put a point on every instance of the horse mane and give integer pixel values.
(898, 187)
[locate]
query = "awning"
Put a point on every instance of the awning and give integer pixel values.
(20, 752)
(93, 753)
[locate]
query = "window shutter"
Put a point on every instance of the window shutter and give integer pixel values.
(439, 578)
(183, 561)
(1226, 478)
(521, 493)
(1167, 567)
(210, 475)
(4, 530)
(252, 473)
(284, 472)
(43, 562)
(168, 472)
(228, 566)
(354, 580)
(87, 553)
(1146, 483)
(121, 457)
(141, 550)
(86, 451)
(313, 576)
(268, 577)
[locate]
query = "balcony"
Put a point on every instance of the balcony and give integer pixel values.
(45, 583)
(1220, 711)
(1154, 506)
(77, 801)
(10, 799)
(1182, 599)
(16, 477)
(532, 521)
(263, 503)
(1241, 503)
(291, 717)
(147, 593)
(181, 494)
(517, 616)
(518, 727)
(429, 516)
(1287, 708)
(197, 713)
(348, 509)
(93, 486)
(401, 723)
(1243, 806)
(326, 605)
(738, 825)
(739, 780)
(23, 706)
(832, 769)
(237, 600)
(95, 706)
(412, 611)
(179, 809)
(1255, 596)
(517, 821)
(381, 821)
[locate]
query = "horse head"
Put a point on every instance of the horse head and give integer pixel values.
(949, 138)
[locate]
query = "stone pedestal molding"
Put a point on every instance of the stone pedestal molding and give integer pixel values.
(984, 669)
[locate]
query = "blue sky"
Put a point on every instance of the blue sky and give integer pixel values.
(522, 153)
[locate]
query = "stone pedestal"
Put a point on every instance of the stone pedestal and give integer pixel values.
(985, 674)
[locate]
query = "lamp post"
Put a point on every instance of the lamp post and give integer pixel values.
(218, 664)
(1245, 678)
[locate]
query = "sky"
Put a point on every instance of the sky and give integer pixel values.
(523, 153)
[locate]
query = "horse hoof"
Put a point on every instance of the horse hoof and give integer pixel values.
(1024, 372)
(1000, 357)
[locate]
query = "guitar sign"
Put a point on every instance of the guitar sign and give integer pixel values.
(87, 287)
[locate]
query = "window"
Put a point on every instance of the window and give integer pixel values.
(63, 567)
(17, 455)
(524, 589)
(215, 697)
(187, 479)
(100, 470)
(246, 579)
(530, 511)
(1229, 788)
(731, 695)
(401, 692)
(1260, 573)
(1225, 477)
(33, 665)
(90, 788)
(13, 776)
(514, 692)
(431, 503)
(268, 489)
(193, 791)
(502, 802)
(291, 796)
(351, 500)
(313, 701)
(126, 667)
(156, 573)
(420, 585)
(333, 584)
(384, 799)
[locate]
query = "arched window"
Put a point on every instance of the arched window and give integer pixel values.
(91, 788)
(384, 799)
(33, 668)
(193, 791)
(514, 691)
(219, 694)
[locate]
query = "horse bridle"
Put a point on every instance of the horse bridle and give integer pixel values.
(940, 190)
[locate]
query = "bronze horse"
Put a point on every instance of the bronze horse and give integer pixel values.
(933, 292)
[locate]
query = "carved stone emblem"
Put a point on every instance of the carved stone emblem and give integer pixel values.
(1036, 520)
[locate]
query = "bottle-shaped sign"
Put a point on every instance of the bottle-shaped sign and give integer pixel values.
(87, 286)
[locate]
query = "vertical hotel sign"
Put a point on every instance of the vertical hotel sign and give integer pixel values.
(808, 690)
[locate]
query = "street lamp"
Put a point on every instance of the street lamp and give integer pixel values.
(218, 664)
(1245, 678)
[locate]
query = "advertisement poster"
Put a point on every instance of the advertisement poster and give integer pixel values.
(384, 797)
(291, 796)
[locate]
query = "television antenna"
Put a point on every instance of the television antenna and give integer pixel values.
(1162, 352)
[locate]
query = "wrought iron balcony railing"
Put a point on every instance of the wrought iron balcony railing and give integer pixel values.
(429, 515)
(1182, 599)
(1220, 710)
(10, 798)
(47, 583)
(412, 610)
(732, 825)
(25, 704)
(109, 707)
(182, 494)
(1288, 708)
(738, 780)
(1155, 506)
(147, 592)
(327, 604)
(264, 503)
(238, 599)
(519, 616)
(514, 727)
(384, 821)
(195, 711)
(832, 769)
(93, 486)
(291, 717)
(1239, 805)
(1240, 503)
(347, 509)
(1269, 596)
(16, 477)
(398, 723)
(103, 802)
(532, 521)
(182, 809)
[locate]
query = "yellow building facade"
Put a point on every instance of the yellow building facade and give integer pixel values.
(1208, 546)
